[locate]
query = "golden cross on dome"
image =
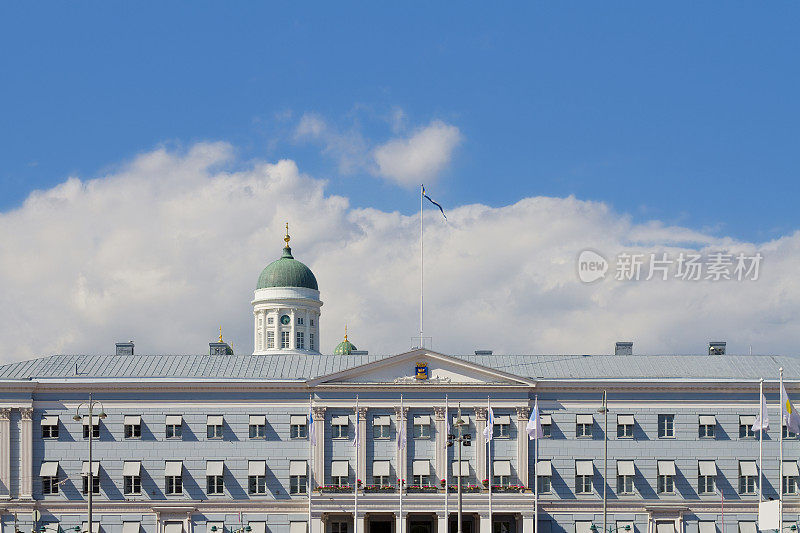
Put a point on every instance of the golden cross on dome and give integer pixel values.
(287, 235)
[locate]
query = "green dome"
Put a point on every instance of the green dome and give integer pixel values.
(345, 347)
(287, 272)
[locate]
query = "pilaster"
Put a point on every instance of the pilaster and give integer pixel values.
(522, 444)
(319, 447)
(480, 446)
(362, 448)
(440, 466)
(485, 524)
(5, 453)
(26, 455)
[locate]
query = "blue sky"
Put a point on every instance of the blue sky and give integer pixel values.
(682, 112)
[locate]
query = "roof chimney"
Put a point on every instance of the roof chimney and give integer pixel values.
(125, 348)
(623, 348)
(716, 348)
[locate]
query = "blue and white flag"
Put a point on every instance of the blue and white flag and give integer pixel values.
(356, 436)
(311, 433)
(488, 433)
(401, 434)
(534, 426)
(434, 203)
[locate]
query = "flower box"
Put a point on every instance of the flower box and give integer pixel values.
(335, 488)
(507, 489)
(422, 489)
(379, 489)
(466, 488)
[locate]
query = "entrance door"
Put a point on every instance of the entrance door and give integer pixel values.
(380, 526)
(466, 525)
(420, 527)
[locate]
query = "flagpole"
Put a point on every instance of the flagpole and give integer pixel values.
(310, 458)
(780, 469)
(421, 263)
(355, 490)
(536, 471)
(760, 440)
(489, 470)
(400, 462)
(446, 485)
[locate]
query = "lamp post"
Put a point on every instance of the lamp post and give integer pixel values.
(89, 474)
(626, 527)
(604, 410)
(460, 439)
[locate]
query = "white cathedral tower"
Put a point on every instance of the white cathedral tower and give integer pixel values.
(286, 307)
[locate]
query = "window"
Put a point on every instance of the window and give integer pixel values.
(422, 426)
(666, 477)
(50, 427)
(270, 339)
(502, 426)
(790, 475)
(131, 477)
(215, 477)
(258, 426)
(380, 473)
(583, 426)
(257, 477)
(748, 472)
(173, 477)
(422, 481)
(666, 426)
(173, 426)
(95, 427)
(132, 426)
(584, 473)
(626, 471)
(95, 477)
(284, 340)
(270, 320)
(547, 422)
(311, 340)
(297, 427)
(339, 425)
(544, 472)
(708, 425)
(338, 527)
(625, 426)
(297, 484)
(421, 471)
(300, 340)
(49, 475)
(707, 477)
(380, 427)
(746, 426)
(788, 434)
(501, 473)
(214, 425)
(299, 321)
(340, 473)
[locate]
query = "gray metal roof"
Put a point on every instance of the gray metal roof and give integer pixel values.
(302, 367)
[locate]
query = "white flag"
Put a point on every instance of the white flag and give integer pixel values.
(791, 418)
(488, 432)
(759, 424)
(311, 432)
(355, 437)
(401, 435)
(534, 426)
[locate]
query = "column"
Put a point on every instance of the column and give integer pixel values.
(5, 453)
(319, 448)
(441, 523)
(255, 331)
(317, 525)
(527, 523)
(362, 448)
(362, 522)
(522, 444)
(292, 330)
(440, 465)
(480, 448)
(26, 455)
(485, 526)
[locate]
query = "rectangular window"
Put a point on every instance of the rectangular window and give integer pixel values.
(626, 471)
(625, 426)
(708, 426)
(547, 423)
(300, 340)
(311, 340)
(422, 426)
(380, 480)
(707, 484)
(132, 484)
(502, 427)
(340, 473)
(270, 339)
(285, 340)
(174, 425)
(49, 485)
(339, 426)
(502, 481)
(258, 426)
(339, 527)
(270, 320)
(312, 322)
(748, 471)
(174, 484)
(380, 427)
(665, 484)
(790, 477)
(298, 477)
(624, 484)
(297, 427)
(215, 485)
(214, 425)
(746, 426)
(95, 431)
(583, 426)
(50, 427)
(340, 481)
(299, 321)
(666, 426)
(257, 484)
(788, 434)
(583, 484)
(543, 485)
(95, 484)
(132, 427)
(422, 481)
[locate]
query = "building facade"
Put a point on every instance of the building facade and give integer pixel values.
(220, 443)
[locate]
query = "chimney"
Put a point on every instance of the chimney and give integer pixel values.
(125, 348)
(483, 352)
(716, 348)
(623, 348)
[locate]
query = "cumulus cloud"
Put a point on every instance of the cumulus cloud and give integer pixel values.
(419, 157)
(168, 247)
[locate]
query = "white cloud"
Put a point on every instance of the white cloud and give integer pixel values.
(169, 247)
(348, 148)
(420, 157)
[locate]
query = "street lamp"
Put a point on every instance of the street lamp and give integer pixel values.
(464, 440)
(626, 527)
(90, 476)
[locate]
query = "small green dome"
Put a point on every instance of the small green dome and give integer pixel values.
(287, 272)
(345, 347)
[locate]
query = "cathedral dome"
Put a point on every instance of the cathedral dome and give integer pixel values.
(345, 347)
(287, 272)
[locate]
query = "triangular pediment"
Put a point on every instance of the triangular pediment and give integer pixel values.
(423, 367)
